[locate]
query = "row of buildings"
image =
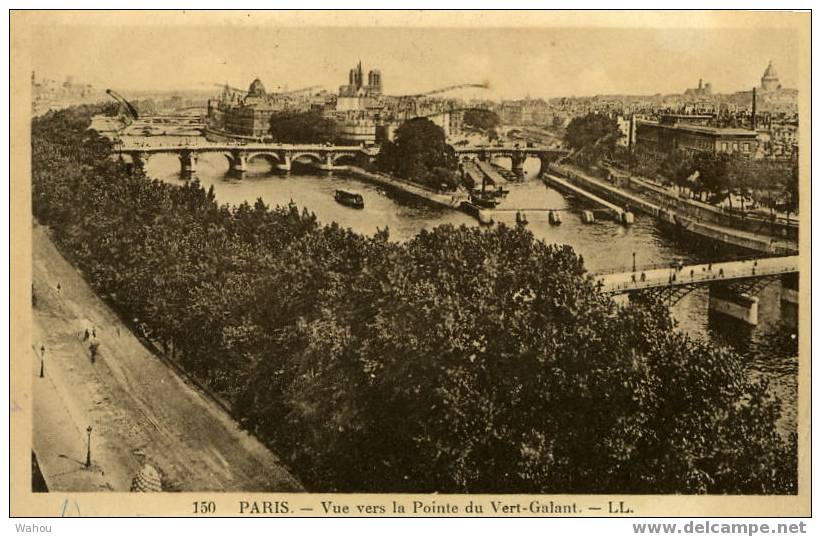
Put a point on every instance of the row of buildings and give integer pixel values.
(363, 113)
(767, 127)
(48, 94)
(760, 123)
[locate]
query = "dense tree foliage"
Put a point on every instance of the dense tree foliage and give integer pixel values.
(296, 127)
(485, 121)
(592, 136)
(465, 360)
(419, 153)
(771, 183)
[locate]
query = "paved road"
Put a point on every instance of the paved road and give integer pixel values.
(140, 410)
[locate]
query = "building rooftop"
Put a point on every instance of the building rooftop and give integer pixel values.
(713, 131)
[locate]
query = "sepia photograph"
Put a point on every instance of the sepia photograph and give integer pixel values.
(535, 263)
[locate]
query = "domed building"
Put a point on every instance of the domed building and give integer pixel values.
(773, 97)
(256, 89)
(769, 80)
(250, 116)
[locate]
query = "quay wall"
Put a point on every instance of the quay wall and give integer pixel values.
(669, 214)
(450, 201)
(714, 215)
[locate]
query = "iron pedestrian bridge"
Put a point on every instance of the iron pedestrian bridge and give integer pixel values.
(676, 281)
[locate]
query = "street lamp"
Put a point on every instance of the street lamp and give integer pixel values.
(634, 261)
(88, 453)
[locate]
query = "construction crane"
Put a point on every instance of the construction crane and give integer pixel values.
(484, 85)
(300, 90)
(452, 110)
(124, 103)
(232, 88)
(245, 91)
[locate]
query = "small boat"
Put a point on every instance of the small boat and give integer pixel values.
(484, 201)
(351, 199)
(554, 218)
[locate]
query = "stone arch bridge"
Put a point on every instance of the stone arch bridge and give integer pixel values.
(326, 157)
(517, 155)
(282, 156)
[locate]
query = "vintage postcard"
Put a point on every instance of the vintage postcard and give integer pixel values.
(429, 263)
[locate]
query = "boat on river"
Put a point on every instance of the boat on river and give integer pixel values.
(485, 200)
(351, 199)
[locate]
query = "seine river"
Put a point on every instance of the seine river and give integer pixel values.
(770, 347)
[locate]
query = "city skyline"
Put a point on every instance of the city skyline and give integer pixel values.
(514, 62)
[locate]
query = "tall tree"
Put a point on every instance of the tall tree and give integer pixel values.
(485, 121)
(419, 149)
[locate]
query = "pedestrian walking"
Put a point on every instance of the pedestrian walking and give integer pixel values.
(94, 333)
(86, 335)
(59, 289)
(93, 349)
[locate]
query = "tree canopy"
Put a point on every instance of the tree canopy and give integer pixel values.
(454, 362)
(482, 120)
(592, 129)
(303, 128)
(420, 153)
(592, 136)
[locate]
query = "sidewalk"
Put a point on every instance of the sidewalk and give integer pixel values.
(140, 410)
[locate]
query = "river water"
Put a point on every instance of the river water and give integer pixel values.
(770, 347)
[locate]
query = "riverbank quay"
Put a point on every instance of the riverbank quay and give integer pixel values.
(669, 214)
(616, 213)
(449, 201)
(459, 200)
(140, 410)
(777, 227)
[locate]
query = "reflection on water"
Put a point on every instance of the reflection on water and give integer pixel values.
(604, 245)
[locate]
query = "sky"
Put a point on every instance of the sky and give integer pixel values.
(515, 62)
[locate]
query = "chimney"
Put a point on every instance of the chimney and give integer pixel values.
(753, 120)
(699, 83)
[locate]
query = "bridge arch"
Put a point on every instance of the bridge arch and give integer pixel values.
(505, 160)
(227, 155)
(271, 156)
(273, 159)
(307, 156)
(345, 159)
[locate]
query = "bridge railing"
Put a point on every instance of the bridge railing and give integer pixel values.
(623, 269)
(683, 277)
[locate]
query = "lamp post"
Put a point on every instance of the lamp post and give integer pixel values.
(634, 261)
(88, 452)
